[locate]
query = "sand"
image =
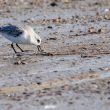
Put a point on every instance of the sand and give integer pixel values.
(77, 74)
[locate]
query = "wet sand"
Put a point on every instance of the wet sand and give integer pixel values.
(77, 74)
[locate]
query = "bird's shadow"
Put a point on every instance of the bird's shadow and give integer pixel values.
(33, 53)
(26, 57)
(26, 52)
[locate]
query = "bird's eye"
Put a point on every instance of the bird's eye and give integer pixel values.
(38, 40)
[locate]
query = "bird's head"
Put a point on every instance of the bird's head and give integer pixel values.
(34, 38)
(37, 41)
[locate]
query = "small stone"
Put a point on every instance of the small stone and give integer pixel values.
(19, 84)
(8, 11)
(102, 30)
(106, 69)
(24, 93)
(70, 102)
(106, 10)
(17, 62)
(55, 71)
(71, 30)
(53, 4)
(49, 107)
(65, 1)
(52, 38)
(91, 30)
(39, 83)
(50, 27)
(108, 82)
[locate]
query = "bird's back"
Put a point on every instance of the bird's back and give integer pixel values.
(11, 30)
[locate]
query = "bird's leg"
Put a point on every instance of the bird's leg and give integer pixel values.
(19, 48)
(13, 48)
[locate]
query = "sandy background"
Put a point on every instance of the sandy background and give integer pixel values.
(77, 76)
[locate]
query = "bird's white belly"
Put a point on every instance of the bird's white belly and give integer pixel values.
(19, 40)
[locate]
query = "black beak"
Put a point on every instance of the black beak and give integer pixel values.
(39, 48)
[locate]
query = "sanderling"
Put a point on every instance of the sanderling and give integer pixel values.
(20, 35)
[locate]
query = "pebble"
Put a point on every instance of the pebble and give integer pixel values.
(53, 4)
(49, 107)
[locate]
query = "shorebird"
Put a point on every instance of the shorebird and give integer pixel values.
(20, 35)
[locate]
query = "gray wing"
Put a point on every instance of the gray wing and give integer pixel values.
(11, 30)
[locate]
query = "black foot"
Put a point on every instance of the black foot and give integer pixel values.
(13, 48)
(20, 48)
